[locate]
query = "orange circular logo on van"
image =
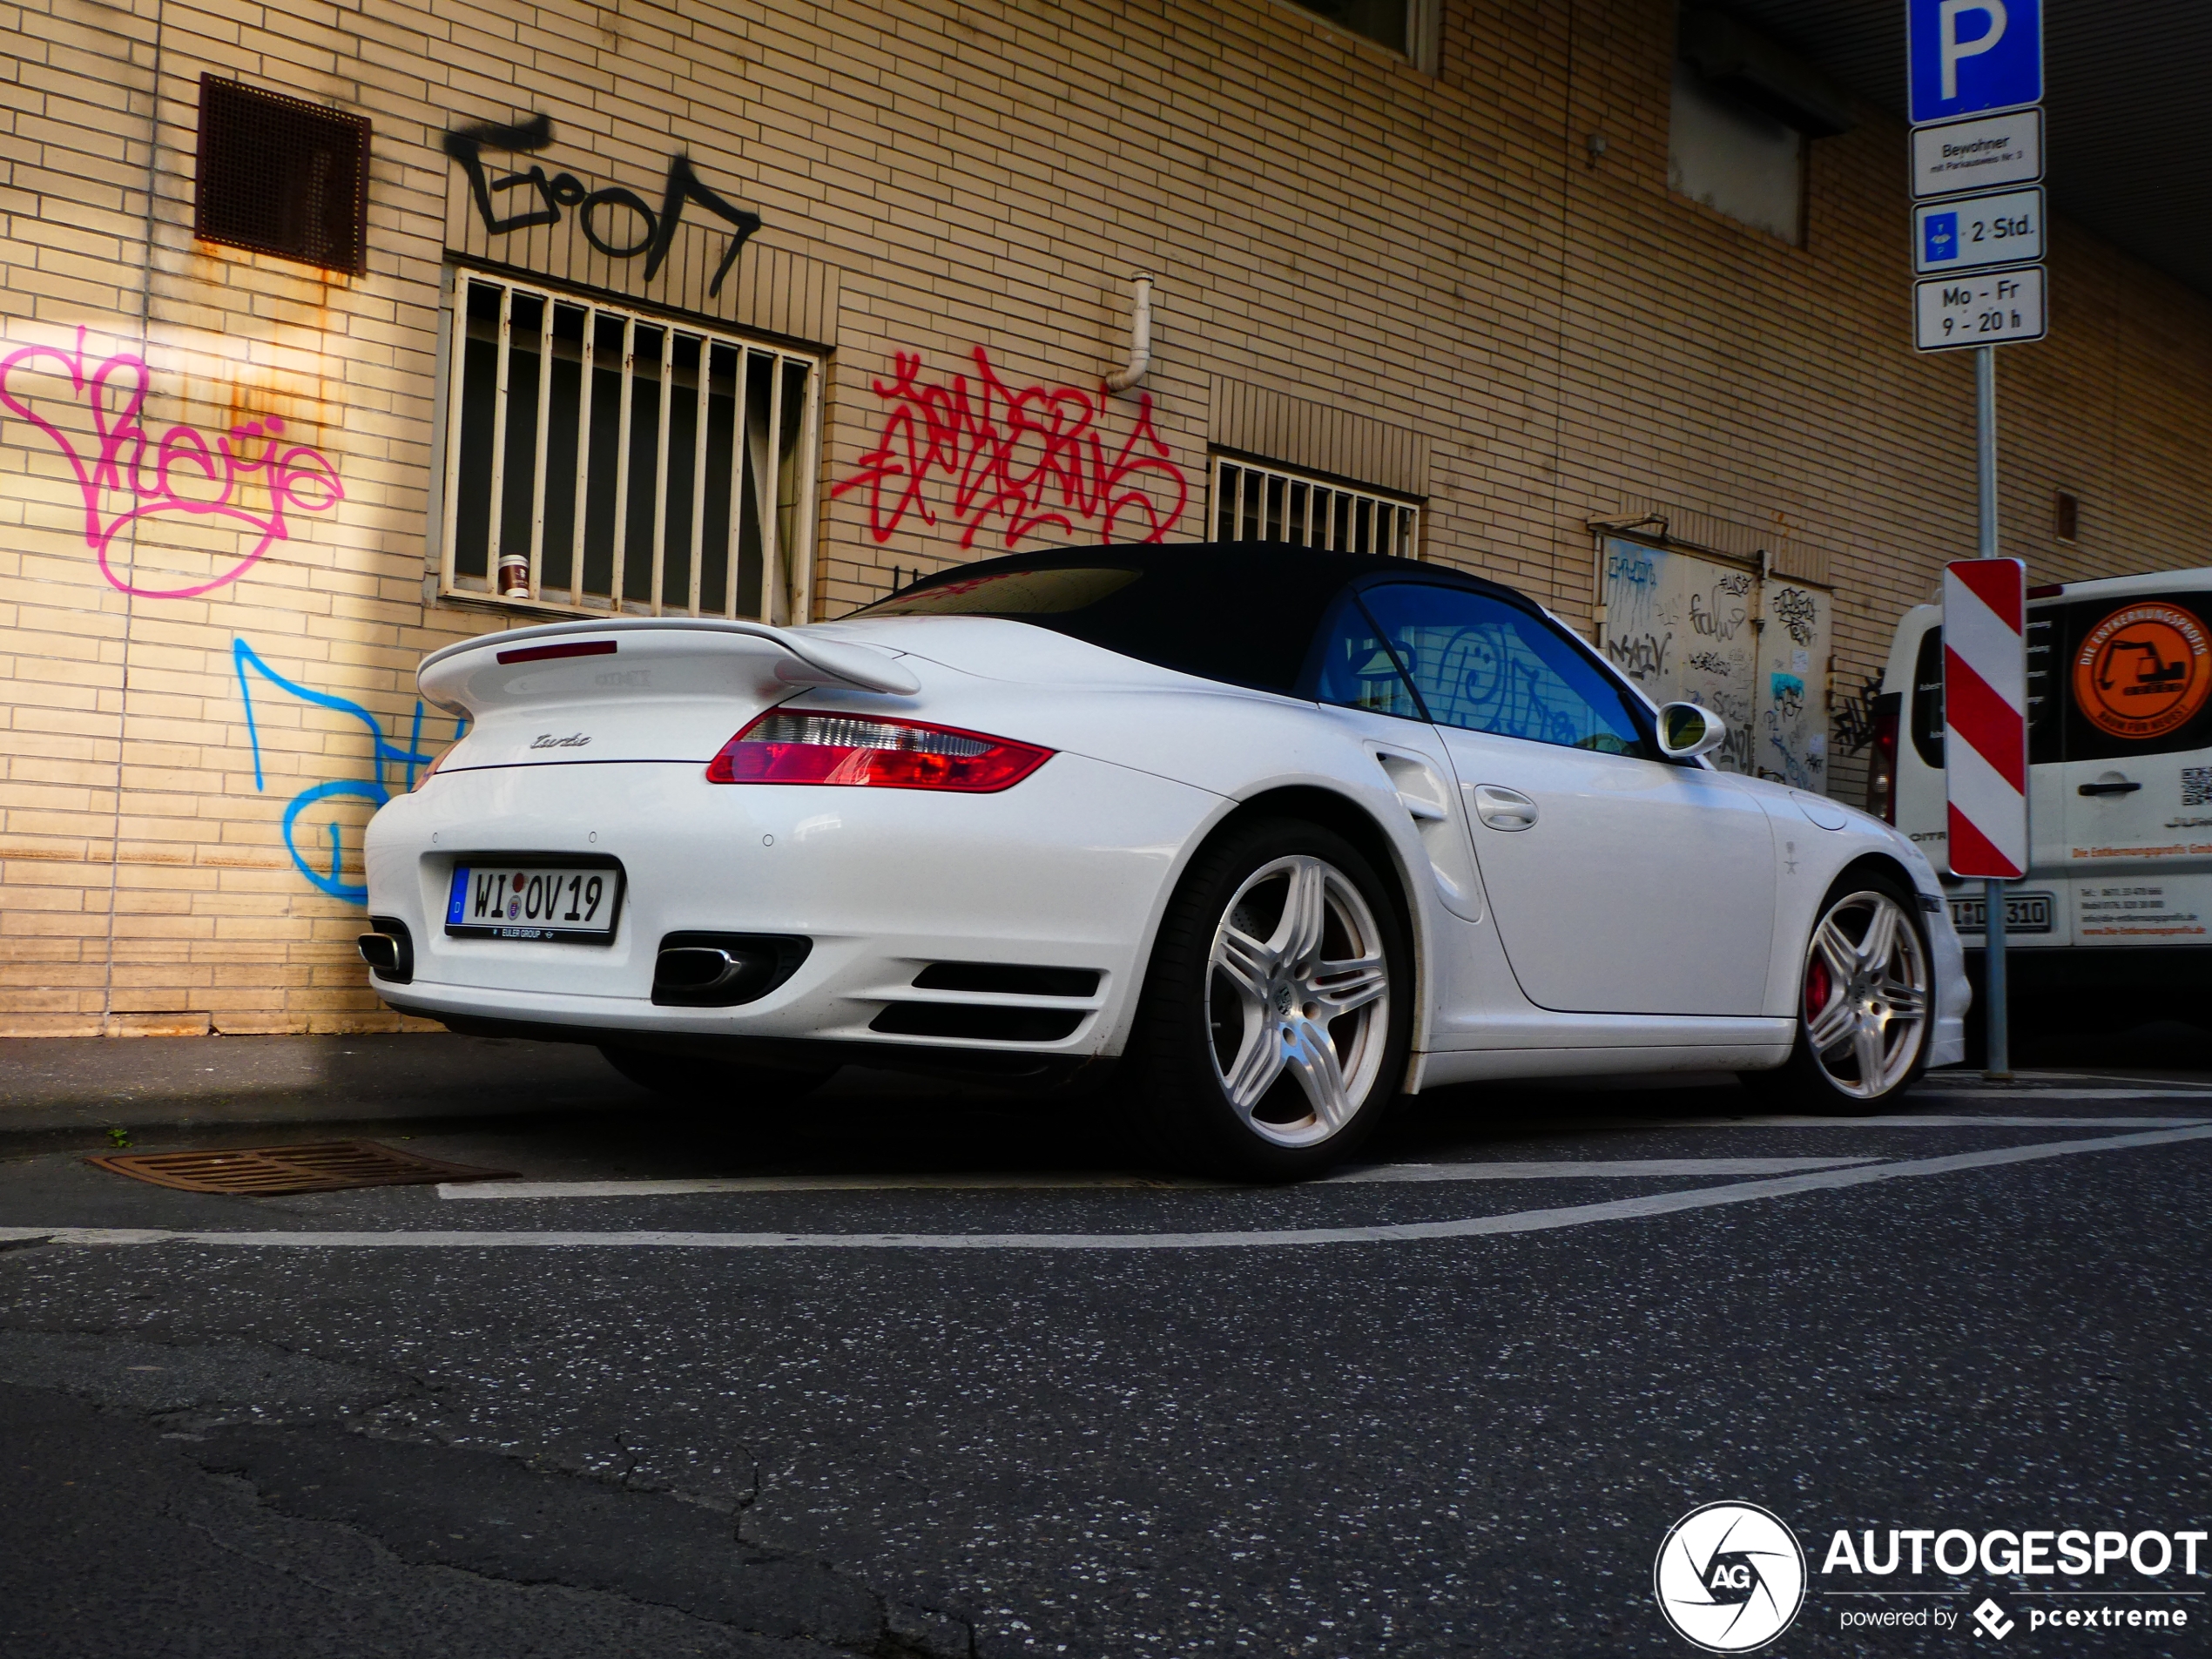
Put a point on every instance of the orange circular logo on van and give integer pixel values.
(2143, 671)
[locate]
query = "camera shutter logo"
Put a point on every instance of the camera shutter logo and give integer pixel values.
(1729, 1577)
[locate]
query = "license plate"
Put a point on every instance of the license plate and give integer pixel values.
(2025, 912)
(535, 901)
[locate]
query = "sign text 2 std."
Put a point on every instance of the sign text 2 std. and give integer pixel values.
(1969, 232)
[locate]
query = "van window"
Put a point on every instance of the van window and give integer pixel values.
(1927, 699)
(2106, 678)
(2136, 676)
(2045, 686)
(2045, 692)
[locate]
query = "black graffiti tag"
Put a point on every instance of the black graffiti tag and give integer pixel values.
(1797, 611)
(1639, 658)
(655, 231)
(1855, 720)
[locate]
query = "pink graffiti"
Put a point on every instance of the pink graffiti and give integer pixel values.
(1031, 458)
(113, 392)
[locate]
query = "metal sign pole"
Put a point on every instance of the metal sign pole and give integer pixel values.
(2000, 1062)
(1975, 102)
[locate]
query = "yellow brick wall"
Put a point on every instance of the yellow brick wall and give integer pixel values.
(1438, 253)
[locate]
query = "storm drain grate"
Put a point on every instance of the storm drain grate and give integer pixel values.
(326, 1166)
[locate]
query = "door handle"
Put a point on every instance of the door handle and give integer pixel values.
(2122, 788)
(1504, 809)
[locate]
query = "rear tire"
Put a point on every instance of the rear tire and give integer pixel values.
(1276, 1013)
(1865, 1003)
(711, 1082)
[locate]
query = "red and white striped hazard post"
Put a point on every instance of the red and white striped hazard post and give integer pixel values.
(1985, 750)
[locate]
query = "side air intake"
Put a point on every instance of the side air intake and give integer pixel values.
(977, 1022)
(1007, 978)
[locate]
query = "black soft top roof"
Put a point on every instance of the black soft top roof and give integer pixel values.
(1245, 612)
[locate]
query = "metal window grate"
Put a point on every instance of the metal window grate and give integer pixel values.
(326, 1166)
(279, 175)
(1256, 503)
(601, 459)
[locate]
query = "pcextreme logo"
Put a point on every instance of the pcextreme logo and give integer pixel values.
(1729, 1577)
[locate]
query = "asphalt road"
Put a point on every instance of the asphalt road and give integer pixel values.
(917, 1373)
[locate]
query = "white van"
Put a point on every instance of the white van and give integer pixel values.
(2119, 888)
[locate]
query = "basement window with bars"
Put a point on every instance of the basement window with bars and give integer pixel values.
(1256, 503)
(603, 460)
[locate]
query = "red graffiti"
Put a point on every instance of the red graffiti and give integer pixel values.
(187, 474)
(1029, 458)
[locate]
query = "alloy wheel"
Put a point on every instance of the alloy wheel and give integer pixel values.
(1297, 1000)
(1866, 994)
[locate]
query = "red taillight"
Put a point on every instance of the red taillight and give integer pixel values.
(1881, 770)
(792, 746)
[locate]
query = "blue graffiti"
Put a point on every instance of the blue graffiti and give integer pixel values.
(383, 752)
(1629, 567)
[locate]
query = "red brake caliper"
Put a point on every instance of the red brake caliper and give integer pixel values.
(1818, 986)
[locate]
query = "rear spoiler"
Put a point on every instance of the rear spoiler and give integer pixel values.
(772, 659)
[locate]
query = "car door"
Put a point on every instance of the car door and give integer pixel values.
(1621, 882)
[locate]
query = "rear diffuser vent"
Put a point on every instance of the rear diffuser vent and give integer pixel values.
(279, 175)
(977, 1022)
(1007, 978)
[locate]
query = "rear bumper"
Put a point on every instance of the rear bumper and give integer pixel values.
(1004, 1065)
(1067, 869)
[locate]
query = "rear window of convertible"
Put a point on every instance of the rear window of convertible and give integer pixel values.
(1246, 620)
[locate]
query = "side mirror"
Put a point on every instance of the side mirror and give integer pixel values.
(1687, 731)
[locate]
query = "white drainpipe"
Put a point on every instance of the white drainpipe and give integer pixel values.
(1140, 340)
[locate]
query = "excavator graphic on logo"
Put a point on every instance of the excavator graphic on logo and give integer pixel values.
(2154, 675)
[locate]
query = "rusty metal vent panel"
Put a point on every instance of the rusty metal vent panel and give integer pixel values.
(279, 175)
(326, 1166)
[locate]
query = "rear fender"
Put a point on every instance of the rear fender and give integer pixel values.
(1325, 802)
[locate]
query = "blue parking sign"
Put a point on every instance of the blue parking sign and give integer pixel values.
(1942, 231)
(1967, 55)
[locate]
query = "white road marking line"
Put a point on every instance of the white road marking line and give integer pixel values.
(1991, 1121)
(1581, 1169)
(1520, 1221)
(1557, 1169)
(678, 1187)
(1976, 1091)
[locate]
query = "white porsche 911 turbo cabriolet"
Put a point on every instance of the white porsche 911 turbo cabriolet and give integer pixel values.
(1272, 834)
